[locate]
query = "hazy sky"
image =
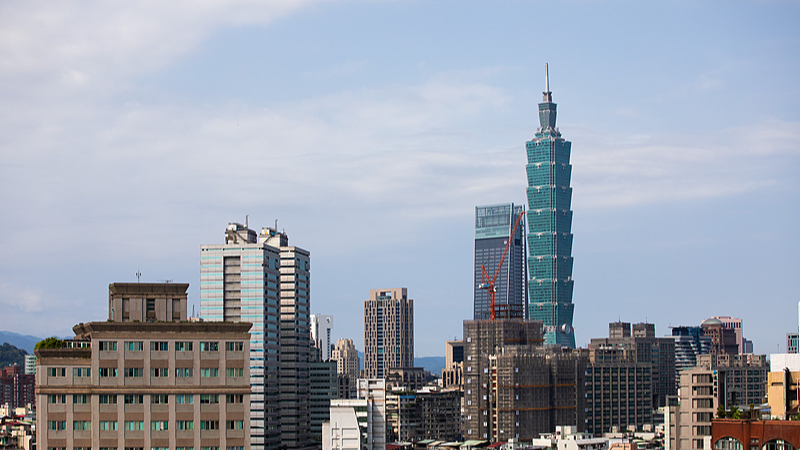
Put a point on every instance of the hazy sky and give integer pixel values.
(131, 133)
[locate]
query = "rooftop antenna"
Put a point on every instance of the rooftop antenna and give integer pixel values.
(546, 78)
(165, 281)
(276, 224)
(247, 221)
(138, 276)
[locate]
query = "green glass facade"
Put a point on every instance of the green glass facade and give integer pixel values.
(550, 228)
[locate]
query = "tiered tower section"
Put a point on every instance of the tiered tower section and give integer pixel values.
(550, 227)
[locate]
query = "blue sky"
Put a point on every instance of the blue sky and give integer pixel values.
(130, 134)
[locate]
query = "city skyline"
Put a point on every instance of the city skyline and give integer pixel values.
(370, 130)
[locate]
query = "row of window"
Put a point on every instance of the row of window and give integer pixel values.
(138, 425)
(151, 448)
(181, 399)
(163, 346)
(135, 372)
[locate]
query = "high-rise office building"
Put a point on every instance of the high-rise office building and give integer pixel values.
(646, 348)
(321, 327)
(262, 280)
(550, 227)
(388, 331)
(493, 226)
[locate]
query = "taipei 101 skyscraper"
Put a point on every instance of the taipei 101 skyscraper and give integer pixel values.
(550, 227)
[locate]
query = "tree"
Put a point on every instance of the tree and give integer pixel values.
(735, 413)
(721, 413)
(51, 342)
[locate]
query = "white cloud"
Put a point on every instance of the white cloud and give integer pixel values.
(89, 47)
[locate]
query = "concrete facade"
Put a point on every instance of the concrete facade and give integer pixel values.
(388, 331)
(348, 367)
(146, 385)
(513, 387)
(147, 302)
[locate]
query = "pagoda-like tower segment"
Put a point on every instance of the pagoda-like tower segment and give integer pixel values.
(550, 227)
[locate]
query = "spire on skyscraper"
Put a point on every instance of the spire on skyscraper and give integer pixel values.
(547, 109)
(548, 96)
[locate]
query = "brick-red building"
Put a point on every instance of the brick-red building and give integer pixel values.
(16, 388)
(754, 434)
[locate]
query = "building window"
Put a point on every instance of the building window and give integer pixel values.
(134, 399)
(183, 346)
(134, 425)
(57, 372)
(108, 425)
(134, 372)
(80, 372)
(234, 346)
(159, 425)
(159, 346)
(235, 424)
(134, 346)
(80, 399)
(235, 398)
(208, 372)
(58, 399)
(106, 372)
(234, 373)
(159, 399)
(81, 425)
(184, 399)
(159, 372)
(209, 424)
(209, 398)
(184, 425)
(183, 372)
(209, 346)
(108, 346)
(57, 425)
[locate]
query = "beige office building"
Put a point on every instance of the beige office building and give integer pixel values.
(348, 367)
(388, 331)
(146, 385)
(143, 381)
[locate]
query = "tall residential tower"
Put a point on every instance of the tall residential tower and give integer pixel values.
(388, 332)
(550, 227)
(493, 226)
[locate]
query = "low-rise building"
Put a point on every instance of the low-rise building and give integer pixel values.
(146, 385)
(718, 381)
(428, 413)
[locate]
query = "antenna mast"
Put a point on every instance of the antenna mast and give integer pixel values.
(546, 78)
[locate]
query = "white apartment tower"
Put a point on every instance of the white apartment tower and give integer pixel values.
(321, 327)
(259, 278)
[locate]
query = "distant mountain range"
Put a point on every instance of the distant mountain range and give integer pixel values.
(24, 342)
(433, 364)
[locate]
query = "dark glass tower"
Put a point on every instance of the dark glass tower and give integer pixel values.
(493, 226)
(550, 227)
